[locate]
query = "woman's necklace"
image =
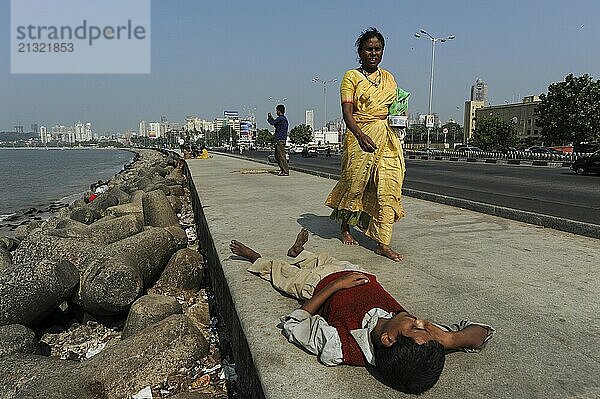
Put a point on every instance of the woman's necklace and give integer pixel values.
(366, 75)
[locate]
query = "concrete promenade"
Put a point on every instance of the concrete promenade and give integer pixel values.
(538, 287)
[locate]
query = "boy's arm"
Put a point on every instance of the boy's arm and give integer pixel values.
(310, 331)
(349, 280)
(467, 336)
(271, 120)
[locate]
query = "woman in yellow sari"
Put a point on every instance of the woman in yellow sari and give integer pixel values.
(368, 193)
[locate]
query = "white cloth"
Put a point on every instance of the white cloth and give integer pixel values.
(319, 338)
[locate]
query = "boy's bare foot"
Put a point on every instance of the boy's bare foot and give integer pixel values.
(347, 238)
(298, 246)
(245, 252)
(385, 250)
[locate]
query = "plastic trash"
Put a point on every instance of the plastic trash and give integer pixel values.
(144, 393)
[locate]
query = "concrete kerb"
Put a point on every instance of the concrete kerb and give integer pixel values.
(570, 226)
(553, 222)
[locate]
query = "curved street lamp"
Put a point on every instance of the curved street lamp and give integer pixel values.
(433, 41)
(277, 100)
(316, 79)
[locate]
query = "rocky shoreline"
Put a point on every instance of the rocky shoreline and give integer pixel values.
(110, 299)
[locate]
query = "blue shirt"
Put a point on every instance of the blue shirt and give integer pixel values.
(281, 127)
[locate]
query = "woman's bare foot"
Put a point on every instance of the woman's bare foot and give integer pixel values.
(347, 238)
(298, 246)
(245, 252)
(385, 250)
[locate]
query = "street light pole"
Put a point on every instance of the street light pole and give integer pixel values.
(433, 41)
(316, 79)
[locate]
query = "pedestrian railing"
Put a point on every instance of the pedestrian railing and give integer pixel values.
(495, 155)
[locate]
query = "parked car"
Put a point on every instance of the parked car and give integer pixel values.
(468, 149)
(271, 158)
(504, 149)
(543, 150)
(585, 165)
(310, 151)
(533, 148)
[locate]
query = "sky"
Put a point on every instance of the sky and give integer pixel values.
(211, 56)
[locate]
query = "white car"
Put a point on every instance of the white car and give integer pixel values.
(297, 149)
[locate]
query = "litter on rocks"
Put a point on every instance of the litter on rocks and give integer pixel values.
(144, 393)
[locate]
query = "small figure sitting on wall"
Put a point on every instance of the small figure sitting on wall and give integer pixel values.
(349, 318)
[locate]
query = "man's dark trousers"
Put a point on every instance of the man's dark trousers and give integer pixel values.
(280, 156)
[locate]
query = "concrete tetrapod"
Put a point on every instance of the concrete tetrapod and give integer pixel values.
(32, 290)
(104, 231)
(147, 357)
(147, 310)
(5, 258)
(16, 338)
(39, 246)
(117, 278)
(33, 376)
(85, 214)
(157, 210)
(185, 270)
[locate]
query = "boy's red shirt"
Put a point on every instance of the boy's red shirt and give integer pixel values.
(346, 309)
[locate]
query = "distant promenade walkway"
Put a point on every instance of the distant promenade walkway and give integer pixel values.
(538, 287)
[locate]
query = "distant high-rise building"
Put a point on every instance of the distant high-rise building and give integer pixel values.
(469, 121)
(34, 128)
(88, 131)
(154, 130)
(163, 119)
(44, 135)
(310, 119)
(479, 91)
(143, 131)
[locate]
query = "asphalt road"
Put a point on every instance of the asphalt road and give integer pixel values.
(545, 190)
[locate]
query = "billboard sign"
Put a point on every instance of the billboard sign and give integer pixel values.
(429, 121)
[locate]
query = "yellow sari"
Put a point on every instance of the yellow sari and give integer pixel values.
(368, 194)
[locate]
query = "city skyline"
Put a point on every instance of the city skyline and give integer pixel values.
(235, 56)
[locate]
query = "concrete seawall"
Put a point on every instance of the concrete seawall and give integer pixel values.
(249, 385)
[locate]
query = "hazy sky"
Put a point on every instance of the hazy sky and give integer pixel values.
(208, 56)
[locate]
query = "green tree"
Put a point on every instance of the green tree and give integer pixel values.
(227, 134)
(570, 112)
(416, 134)
(490, 133)
(301, 134)
(263, 137)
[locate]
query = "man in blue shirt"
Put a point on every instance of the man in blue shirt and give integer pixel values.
(281, 131)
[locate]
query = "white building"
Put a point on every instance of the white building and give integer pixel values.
(154, 130)
(44, 136)
(479, 92)
(88, 131)
(309, 120)
(199, 124)
(143, 130)
(324, 137)
(234, 122)
(79, 132)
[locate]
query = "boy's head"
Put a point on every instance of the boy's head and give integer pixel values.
(407, 356)
(280, 109)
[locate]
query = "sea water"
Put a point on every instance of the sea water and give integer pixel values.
(35, 178)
